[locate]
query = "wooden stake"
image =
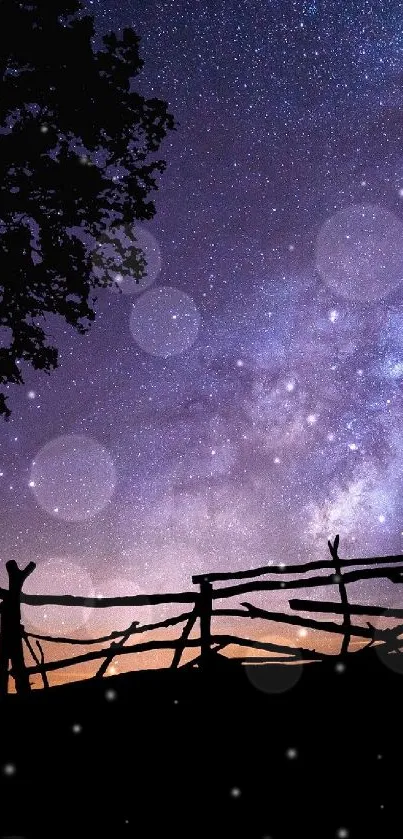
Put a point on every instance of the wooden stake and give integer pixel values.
(184, 637)
(205, 611)
(343, 595)
(11, 647)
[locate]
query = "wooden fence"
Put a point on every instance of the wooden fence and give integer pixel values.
(14, 637)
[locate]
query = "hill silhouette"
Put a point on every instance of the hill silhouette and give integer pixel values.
(288, 742)
(185, 753)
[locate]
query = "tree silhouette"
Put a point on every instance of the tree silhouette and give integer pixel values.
(77, 157)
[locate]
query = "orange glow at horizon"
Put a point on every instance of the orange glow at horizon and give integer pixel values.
(289, 636)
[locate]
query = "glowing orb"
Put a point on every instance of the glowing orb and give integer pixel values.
(73, 477)
(58, 575)
(274, 678)
(165, 322)
(104, 621)
(359, 252)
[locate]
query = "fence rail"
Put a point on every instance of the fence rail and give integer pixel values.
(15, 640)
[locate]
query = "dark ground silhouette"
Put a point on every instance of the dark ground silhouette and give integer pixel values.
(220, 749)
(183, 753)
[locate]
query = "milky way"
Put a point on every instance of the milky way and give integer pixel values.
(246, 404)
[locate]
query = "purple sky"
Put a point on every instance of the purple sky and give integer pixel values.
(246, 404)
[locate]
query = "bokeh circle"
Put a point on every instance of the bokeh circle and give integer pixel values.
(60, 576)
(272, 678)
(359, 252)
(73, 477)
(106, 620)
(165, 322)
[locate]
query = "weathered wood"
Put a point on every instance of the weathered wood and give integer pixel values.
(300, 568)
(187, 597)
(390, 638)
(300, 652)
(103, 602)
(11, 648)
(294, 620)
(115, 645)
(43, 670)
(38, 660)
(327, 607)
(148, 646)
(333, 548)
(267, 659)
(205, 611)
(215, 648)
(116, 634)
(309, 582)
(11, 637)
(181, 644)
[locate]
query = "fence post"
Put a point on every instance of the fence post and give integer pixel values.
(205, 611)
(39, 661)
(184, 637)
(115, 645)
(11, 647)
(343, 595)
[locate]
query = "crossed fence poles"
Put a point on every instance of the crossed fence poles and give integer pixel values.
(13, 635)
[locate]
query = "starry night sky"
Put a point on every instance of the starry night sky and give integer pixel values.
(246, 405)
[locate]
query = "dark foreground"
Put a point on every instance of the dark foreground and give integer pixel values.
(162, 753)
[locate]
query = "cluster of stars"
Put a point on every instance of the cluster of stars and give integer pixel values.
(259, 409)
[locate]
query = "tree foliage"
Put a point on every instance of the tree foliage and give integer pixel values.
(77, 157)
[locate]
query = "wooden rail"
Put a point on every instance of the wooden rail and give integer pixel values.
(205, 611)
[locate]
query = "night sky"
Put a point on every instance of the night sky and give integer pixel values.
(244, 403)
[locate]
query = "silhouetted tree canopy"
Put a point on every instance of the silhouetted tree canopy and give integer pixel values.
(77, 156)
